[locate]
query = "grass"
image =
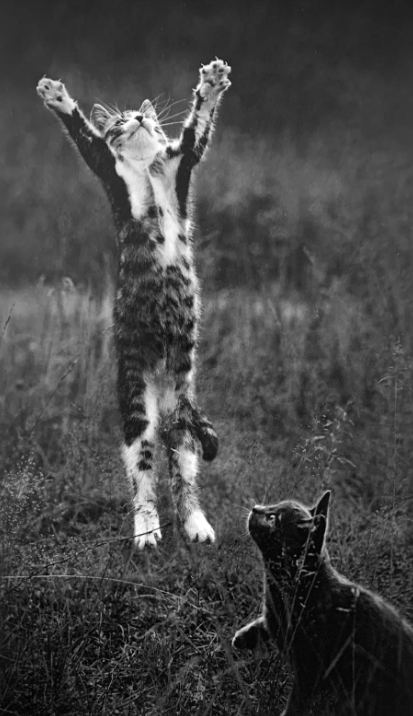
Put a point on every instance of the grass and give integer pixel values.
(303, 397)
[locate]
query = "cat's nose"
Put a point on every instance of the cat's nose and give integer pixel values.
(139, 117)
(258, 509)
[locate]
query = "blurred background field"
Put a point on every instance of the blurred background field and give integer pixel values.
(304, 247)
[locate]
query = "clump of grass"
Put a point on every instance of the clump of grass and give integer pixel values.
(55, 361)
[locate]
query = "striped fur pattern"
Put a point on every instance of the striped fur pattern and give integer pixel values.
(341, 641)
(147, 179)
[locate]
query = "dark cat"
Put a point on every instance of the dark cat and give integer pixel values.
(157, 307)
(338, 637)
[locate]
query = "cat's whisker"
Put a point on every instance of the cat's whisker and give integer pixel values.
(169, 124)
(104, 104)
(112, 109)
(173, 116)
(169, 106)
(157, 101)
(161, 107)
(241, 507)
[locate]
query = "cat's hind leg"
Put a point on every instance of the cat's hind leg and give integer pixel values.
(203, 429)
(199, 426)
(183, 469)
(140, 418)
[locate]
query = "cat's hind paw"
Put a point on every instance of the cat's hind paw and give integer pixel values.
(213, 79)
(198, 528)
(147, 529)
(55, 95)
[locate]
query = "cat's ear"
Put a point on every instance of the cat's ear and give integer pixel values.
(148, 110)
(321, 508)
(320, 521)
(99, 115)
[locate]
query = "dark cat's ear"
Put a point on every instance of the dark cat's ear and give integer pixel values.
(148, 110)
(100, 115)
(321, 508)
(320, 515)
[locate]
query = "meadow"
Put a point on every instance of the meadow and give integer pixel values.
(303, 237)
(301, 401)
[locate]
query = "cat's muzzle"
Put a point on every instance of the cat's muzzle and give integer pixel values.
(260, 521)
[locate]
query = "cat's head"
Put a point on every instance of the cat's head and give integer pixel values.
(289, 534)
(134, 135)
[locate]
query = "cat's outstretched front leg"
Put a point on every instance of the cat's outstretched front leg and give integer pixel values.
(87, 138)
(213, 81)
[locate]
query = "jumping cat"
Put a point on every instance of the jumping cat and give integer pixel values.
(157, 306)
(339, 638)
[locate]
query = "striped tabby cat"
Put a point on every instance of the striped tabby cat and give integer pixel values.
(147, 178)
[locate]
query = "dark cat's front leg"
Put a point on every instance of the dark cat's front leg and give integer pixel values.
(252, 635)
(87, 138)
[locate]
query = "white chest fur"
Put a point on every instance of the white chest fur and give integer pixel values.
(136, 180)
(143, 188)
(170, 227)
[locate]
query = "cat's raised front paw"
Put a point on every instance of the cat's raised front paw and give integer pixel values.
(55, 96)
(214, 79)
(147, 529)
(198, 528)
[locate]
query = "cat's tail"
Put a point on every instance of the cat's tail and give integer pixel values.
(202, 429)
(187, 417)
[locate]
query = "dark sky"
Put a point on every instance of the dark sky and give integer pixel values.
(289, 58)
(255, 35)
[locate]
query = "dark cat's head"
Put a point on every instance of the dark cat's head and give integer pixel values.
(288, 534)
(134, 135)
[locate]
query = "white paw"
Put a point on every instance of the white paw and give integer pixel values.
(245, 638)
(198, 528)
(147, 529)
(55, 96)
(238, 640)
(214, 79)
